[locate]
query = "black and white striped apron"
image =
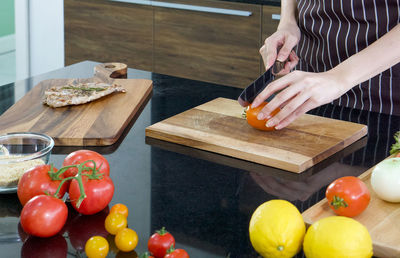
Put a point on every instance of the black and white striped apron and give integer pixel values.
(333, 30)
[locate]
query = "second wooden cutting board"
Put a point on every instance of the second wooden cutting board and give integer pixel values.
(217, 126)
(381, 218)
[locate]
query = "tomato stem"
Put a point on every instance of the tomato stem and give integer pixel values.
(338, 202)
(171, 249)
(162, 231)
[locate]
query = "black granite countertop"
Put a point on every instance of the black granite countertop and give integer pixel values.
(206, 203)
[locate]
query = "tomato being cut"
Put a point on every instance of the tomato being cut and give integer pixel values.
(43, 216)
(348, 196)
(99, 193)
(81, 156)
(160, 242)
(251, 116)
(39, 180)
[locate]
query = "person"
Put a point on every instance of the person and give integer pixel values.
(345, 52)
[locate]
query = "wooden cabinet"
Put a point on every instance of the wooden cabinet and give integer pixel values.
(207, 46)
(105, 31)
(208, 40)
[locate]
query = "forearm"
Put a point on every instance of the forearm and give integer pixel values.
(374, 59)
(288, 12)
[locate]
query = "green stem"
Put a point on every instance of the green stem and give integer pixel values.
(338, 202)
(59, 186)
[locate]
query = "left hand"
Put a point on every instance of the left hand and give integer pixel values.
(299, 93)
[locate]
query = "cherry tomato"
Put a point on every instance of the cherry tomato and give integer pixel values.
(37, 181)
(120, 208)
(96, 247)
(160, 242)
(251, 116)
(99, 193)
(115, 222)
(80, 156)
(43, 216)
(177, 253)
(126, 239)
(348, 196)
(83, 227)
(51, 247)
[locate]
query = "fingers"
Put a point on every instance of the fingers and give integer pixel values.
(308, 105)
(289, 43)
(273, 87)
(268, 52)
(297, 96)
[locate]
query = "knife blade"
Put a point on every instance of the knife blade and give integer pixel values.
(250, 92)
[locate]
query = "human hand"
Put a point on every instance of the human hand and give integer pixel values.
(283, 40)
(299, 93)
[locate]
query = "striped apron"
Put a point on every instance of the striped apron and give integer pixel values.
(333, 30)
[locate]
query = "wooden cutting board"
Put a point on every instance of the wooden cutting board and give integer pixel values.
(381, 218)
(218, 126)
(97, 123)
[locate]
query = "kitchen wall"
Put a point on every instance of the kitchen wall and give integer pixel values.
(39, 26)
(7, 42)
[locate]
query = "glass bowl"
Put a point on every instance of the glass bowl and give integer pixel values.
(20, 152)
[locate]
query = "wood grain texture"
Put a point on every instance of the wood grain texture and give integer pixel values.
(100, 122)
(216, 48)
(217, 126)
(381, 218)
(102, 30)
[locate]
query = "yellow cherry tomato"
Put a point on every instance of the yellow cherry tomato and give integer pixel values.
(126, 240)
(96, 247)
(115, 222)
(120, 208)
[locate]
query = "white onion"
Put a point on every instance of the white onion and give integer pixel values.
(385, 180)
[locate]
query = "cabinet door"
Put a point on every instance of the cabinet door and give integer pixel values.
(270, 21)
(208, 46)
(106, 31)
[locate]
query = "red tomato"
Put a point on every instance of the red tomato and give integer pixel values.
(251, 116)
(37, 181)
(160, 242)
(177, 253)
(80, 156)
(43, 216)
(99, 193)
(52, 247)
(348, 196)
(83, 227)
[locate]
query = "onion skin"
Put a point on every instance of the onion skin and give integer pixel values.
(385, 180)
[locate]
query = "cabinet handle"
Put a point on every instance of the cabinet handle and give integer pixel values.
(188, 7)
(276, 17)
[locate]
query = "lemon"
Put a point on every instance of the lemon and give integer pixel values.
(337, 237)
(277, 229)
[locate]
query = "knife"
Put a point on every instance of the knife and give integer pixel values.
(250, 92)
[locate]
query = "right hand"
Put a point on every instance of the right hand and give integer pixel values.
(285, 38)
